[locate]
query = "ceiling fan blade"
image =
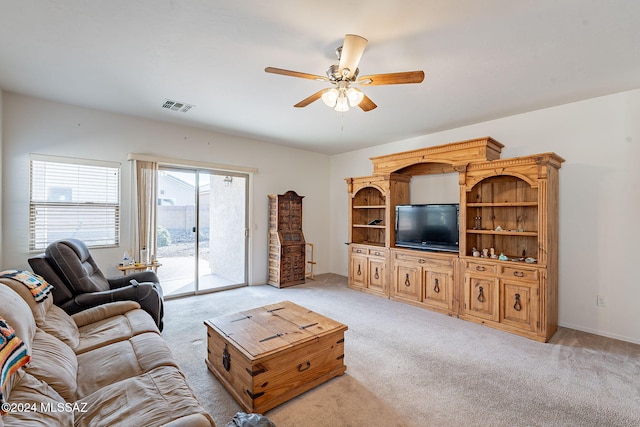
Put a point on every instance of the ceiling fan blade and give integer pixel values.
(392, 78)
(290, 73)
(367, 104)
(352, 50)
(308, 100)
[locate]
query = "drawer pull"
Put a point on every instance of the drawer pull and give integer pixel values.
(421, 261)
(307, 366)
(376, 275)
(480, 294)
(436, 288)
(480, 268)
(359, 251)
(407, 283)
(517, 306)
(377, 253)
(518, 274)
(359, 272)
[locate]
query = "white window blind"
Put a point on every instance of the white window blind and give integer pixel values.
(74, 198)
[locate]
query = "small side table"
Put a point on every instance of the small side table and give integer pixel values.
(139, 267)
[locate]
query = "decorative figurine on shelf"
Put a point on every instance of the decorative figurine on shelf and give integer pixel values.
(485, 253)
(498, 228)
(493, 255)
(503, 257)
(475, 252)
(478, 223)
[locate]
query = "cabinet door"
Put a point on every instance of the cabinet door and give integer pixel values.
(438, 289)
(377, 275)
(481, 296)
(407, 281)
(358, 271)
(519, 304)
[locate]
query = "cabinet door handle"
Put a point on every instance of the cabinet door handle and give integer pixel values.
(436, 288)
(359, 273)
(301, 369)
(518, 274)
(406, 280)
(376, 275)
(480, 294)
(480, 268)
(517, 306)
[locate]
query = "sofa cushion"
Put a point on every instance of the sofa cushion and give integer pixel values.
(17, 314)
(152, 399)
(55, 363)
(61, 325)
(124, 359)
(36, 285)
(113, 329)
(32, 391)
(38, 310)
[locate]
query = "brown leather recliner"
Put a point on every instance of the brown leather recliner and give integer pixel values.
(79, 284)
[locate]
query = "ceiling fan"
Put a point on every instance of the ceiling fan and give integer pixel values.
(345, 73)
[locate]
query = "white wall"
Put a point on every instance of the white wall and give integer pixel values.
(36, 126)
(599, 201)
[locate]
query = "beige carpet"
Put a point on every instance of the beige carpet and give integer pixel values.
(408, 366)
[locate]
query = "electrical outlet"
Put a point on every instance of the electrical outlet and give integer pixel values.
(602, 301)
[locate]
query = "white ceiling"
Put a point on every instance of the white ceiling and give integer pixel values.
(483, 59)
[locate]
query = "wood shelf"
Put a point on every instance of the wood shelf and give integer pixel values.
(504, 232)
(369, 226)
(369, 243)
(370, 207)
(501, 204)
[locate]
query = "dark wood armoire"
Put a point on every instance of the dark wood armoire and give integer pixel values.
(286, 240)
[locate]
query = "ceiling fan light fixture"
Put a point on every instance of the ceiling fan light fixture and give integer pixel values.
(355, 96)
(330, 97)
(342, 103)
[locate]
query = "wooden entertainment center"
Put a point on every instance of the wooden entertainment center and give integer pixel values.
(510, 205)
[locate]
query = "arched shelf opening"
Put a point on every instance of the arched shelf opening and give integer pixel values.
(502, 213)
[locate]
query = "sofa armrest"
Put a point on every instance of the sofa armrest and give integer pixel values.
(103, 311)
(140, 276)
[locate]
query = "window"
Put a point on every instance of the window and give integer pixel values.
(74, 198)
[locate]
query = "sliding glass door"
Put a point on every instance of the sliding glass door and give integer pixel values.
(202, 230)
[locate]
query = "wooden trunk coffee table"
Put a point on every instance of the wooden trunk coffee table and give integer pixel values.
(268, 355)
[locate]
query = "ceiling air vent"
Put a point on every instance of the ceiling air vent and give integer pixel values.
(177, 106)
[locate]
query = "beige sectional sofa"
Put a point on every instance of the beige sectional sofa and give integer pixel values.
(105, 366)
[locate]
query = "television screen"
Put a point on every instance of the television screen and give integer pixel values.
(428, 227)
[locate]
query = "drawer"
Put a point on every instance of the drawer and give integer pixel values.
(358, 250)
(480, 267)
(410, 258)
(442, 263)
(425, 260)
(377, 252)
(520, 273)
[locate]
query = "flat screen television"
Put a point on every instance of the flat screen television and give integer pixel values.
(432, 227)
